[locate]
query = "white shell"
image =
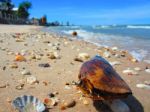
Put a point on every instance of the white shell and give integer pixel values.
(143, 86)
(28, 103)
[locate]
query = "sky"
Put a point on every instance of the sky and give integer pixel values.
(92, 12)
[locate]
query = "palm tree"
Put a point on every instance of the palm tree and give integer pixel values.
(23, 9)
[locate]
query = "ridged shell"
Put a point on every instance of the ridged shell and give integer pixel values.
(97, 75)
(28, 103)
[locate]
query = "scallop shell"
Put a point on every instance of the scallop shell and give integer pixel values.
(28, 103)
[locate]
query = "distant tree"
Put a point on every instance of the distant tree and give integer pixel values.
(6, 6)
(23, 9)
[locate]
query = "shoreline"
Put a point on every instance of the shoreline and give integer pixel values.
(37, 48)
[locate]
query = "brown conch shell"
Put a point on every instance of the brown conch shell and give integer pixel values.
(100, 81)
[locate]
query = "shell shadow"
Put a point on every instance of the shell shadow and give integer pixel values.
(131, 101)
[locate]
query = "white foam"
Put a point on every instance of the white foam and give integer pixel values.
(139, 54)
(141, 27)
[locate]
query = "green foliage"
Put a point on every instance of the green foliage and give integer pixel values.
(23, 9)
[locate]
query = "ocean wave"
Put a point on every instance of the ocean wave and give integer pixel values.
(123, 42)
(138, 27)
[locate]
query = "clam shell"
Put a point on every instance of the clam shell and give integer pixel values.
(28, 103)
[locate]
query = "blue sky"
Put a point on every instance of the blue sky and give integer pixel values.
(92, 12)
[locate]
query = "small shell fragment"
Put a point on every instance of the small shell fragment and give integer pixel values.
(143, 86)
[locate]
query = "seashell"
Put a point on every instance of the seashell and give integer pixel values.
(137, 68)
(31, 80)
(99, 81)
(20, 58)
(25, 72)
(129, 71)
(114, 48)
(83, 56)
(147, 70)
(143, 86)
(107, 54)
(28, 103)
(115, 63)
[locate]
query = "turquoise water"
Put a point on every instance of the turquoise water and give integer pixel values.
(134, 38)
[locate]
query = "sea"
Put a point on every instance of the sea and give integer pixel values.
(134, 38)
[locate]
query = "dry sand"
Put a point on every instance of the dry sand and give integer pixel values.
(35, 46)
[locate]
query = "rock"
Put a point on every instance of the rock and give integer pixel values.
(3, 85)
(46, 41)
(19, 87)
(115, 63)
(53, 55)
(31, 80)
(68, 104)
(130, 72)
(77, 59)
(14, 65)
(143, 86)
(25, 72)
(147, 70)
(107, 54)
(55, 48)
(8, 100)
(45, 65)
(85, 102)
(83, 56)
(119, 106)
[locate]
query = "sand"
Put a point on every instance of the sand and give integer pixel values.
(36, 46)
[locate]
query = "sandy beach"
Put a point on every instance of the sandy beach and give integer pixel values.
(57, 53)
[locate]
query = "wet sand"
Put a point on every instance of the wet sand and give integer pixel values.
(36, 47)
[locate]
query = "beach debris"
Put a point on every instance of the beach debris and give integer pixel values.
(19, 87)
(119, 106)
(31, 80)
(68, 104)
(20, 58)
(45, 65)
(93, 81)
(74, 33)
(28, 103)
(25, 72)
(147, 70)
(143, 86)
(130, 72)
(14, 65)
(107, 54)
(115, 63)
